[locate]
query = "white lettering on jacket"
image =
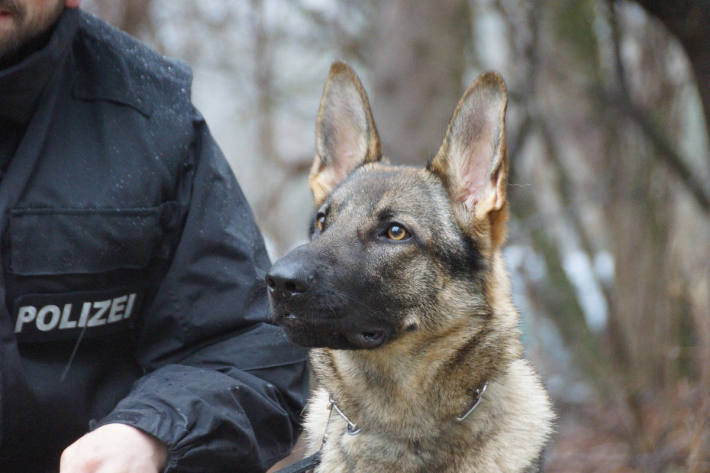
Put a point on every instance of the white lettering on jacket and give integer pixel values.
(90, 314)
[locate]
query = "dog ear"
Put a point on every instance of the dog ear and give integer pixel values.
(472, 160)
(346, 136)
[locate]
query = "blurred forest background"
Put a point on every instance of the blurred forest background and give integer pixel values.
(609, 247)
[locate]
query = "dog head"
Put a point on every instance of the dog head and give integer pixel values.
(395, 250)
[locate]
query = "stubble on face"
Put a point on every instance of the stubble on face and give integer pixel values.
(21, 21)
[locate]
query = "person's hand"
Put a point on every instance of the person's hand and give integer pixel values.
(114, 448)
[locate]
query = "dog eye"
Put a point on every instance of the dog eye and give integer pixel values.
(397, 232)
(320, 221)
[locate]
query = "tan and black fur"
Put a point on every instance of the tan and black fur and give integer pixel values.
(403, 331)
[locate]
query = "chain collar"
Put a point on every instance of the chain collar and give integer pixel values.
(353, 429)
(477, 396)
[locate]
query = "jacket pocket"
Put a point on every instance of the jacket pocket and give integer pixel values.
(52, 241)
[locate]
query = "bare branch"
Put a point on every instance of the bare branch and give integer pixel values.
(688, 21)
(622, 101)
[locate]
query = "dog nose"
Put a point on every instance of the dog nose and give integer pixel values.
(286, 278)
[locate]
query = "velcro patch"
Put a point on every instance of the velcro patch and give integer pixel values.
(51, 317)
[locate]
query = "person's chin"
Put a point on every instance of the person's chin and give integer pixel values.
(10, 35)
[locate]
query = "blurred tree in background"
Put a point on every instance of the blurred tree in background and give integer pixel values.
(609, 248)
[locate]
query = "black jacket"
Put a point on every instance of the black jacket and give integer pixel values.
(133, 272)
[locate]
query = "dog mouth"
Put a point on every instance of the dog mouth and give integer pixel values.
(368, 339)
(330, 333)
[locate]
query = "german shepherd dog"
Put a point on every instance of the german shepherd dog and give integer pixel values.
(403, 296)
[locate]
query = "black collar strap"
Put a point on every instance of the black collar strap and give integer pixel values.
(302, 466)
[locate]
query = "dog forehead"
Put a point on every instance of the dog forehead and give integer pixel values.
(376, 188)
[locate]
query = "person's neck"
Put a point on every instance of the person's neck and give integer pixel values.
(27, 48)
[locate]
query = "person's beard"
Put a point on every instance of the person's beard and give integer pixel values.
(27, 31)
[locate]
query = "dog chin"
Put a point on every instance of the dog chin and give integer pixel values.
(315, 335)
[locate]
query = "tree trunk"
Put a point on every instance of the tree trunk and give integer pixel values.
(418, 66)
(688, 21)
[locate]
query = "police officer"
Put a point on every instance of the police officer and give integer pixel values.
(133, 329)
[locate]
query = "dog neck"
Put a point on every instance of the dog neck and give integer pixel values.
(405, 395)
(422, 379)
(353, 429)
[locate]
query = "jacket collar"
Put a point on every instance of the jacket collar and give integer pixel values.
(22, 83)
(114, 66)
